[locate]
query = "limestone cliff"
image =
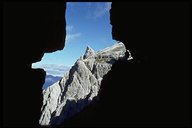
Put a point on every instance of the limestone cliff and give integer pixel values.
(78, 88)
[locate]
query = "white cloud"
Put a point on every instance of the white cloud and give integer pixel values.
(102, 9)
(69, 28)
(72, 36)
(53, 69)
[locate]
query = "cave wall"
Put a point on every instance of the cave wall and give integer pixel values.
(30, 30)
(158, 82)
(152, 89)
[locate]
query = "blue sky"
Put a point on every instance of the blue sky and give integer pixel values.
(88, 24)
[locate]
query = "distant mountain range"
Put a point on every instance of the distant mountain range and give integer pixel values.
(50, 79)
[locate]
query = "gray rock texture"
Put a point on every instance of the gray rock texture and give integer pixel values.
(78, 88)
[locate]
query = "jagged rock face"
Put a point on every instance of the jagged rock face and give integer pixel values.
(78, 88)
(89, 53)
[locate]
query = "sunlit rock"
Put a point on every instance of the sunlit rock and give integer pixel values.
(78, 88)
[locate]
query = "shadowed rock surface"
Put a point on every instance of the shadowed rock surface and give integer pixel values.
(30, 30)
(78, 88)
(152, 89)
(155, 90)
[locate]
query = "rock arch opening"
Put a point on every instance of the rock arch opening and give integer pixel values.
(157, 91)
(74, 74)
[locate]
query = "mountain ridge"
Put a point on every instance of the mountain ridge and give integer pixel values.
(50, 80)
(80, 86)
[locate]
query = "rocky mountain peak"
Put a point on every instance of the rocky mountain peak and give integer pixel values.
(77, 89)
(88, 53)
